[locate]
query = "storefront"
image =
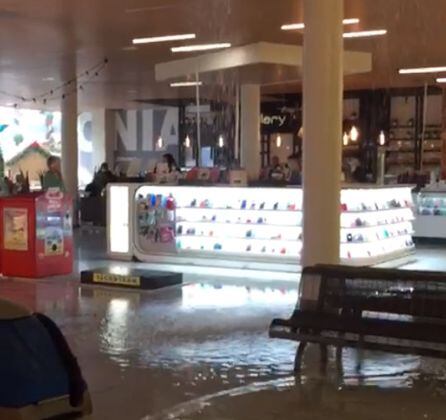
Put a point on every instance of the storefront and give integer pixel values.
(250, 227)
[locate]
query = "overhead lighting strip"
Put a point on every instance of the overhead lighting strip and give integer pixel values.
(203, 47)
(164, 38)
(421, 70)
(297, 26)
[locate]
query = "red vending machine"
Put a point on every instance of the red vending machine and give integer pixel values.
(37, 238)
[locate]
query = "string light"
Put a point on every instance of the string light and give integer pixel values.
(382, 138)
(345, 139)
(45, 96)
(354, 134)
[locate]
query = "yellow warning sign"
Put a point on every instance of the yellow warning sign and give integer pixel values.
(130, 281)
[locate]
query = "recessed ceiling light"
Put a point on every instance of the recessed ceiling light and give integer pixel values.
(186, 84)
(365, 34)
(165, 38)
(203, 47)
(418, 70)
(297, 26)
(48, 79)
(441, 80)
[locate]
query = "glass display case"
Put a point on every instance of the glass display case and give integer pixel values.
(431, 213)
(261, 224)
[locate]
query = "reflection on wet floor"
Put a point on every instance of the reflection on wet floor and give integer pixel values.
(196, 352)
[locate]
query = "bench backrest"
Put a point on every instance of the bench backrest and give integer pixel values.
(387, 291)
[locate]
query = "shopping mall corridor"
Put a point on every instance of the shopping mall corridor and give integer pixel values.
(202, 352)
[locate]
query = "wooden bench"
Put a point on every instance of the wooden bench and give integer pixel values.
(368, 308)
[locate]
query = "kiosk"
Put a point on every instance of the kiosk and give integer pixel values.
(254, 227)
(37, 238)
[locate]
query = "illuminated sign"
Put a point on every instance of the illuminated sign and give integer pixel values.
(276, 120)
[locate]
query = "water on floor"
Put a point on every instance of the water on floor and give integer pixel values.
(201, 351)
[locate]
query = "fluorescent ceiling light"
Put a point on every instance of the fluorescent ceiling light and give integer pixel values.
(204, 47)
(365, 34)
(297, 26)
(185, 84)
(418, 70)
(165, 38)
(292, 27)
(350, 21)
(441, 80)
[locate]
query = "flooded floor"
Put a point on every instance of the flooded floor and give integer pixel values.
(201, 351)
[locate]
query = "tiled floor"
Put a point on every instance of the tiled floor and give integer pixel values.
(202, 352)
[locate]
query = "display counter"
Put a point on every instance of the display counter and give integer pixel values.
(430, 219)
(256, 225)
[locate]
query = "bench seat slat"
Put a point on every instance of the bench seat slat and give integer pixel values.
(404, 330)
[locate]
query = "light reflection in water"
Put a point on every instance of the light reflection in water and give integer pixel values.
(207, 296)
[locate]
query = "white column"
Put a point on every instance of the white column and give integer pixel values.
(322, 148)
(250, 130)
(69, 143)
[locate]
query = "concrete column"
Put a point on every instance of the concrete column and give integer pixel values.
(250, 130)
(69, 143)
(322, 147)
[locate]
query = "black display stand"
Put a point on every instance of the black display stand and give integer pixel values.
(134, 279)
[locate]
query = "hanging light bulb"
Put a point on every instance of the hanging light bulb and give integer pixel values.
(160, 142)
(221, 141)
(354, 134)
(279, 141)
(345, 139)
(187, 142)
(382, 139)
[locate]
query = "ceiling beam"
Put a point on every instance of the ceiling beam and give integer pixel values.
(254, 54)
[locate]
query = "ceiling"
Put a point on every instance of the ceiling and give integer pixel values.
(57, 38)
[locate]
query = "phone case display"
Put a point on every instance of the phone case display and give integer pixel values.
(376, 223)
(156, 222)
(231, 221)
(432, 204)
(241, 221)
(263, 224)
(431, 214)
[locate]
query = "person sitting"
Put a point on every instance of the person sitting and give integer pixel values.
(100, 180)
(275, 172)
(171, 163)
(21, 185)
(294, 173)
(52, 179)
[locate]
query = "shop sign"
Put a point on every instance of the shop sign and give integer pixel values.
(274, 120)
(130, 281)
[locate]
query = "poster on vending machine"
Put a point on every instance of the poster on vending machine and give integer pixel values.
(15, 229)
